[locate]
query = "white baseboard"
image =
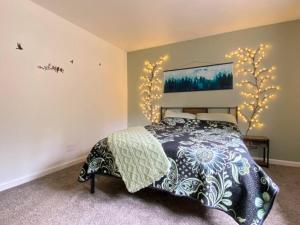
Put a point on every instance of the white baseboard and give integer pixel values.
(33, 176)
(281, 162)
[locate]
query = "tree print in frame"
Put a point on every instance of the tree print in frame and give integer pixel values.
(201, 78)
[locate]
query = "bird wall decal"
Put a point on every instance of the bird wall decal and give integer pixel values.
(72, 61)
(19, 46)
(51, 67)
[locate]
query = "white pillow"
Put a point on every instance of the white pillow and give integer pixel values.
(170, 113)
(217, 117)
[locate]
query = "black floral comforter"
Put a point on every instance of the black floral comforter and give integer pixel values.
(209, 162)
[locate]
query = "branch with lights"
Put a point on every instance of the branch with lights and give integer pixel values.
(151, 90)
(257, 87)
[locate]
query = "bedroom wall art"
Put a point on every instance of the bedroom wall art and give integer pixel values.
(202, 78)
(19, 46)
(57, 69)
(150, 89)
(72, 61)
(257, 88)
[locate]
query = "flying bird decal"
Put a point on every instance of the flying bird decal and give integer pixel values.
(19, 46)
(57, 69)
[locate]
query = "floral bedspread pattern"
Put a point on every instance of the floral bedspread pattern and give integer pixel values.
(209, 162)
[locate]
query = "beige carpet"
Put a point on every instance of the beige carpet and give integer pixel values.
(60, 199)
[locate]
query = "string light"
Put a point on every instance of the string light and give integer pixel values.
(151, 90)
(257, 87)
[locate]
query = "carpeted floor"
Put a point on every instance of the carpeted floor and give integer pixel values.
(59, 199)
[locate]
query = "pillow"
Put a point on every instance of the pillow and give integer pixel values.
(217, 117)
(171, 113)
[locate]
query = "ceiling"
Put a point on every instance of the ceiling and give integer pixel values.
(138, 24)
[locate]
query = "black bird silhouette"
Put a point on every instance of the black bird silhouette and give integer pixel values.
(72, 61)
(19, 46)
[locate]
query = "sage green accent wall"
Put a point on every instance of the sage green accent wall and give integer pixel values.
(282, 119)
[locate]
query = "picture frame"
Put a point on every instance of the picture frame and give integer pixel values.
(199, 78)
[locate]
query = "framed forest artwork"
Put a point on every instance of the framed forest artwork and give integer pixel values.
(201, 78)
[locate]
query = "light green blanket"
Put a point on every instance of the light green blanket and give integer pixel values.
(139, 157)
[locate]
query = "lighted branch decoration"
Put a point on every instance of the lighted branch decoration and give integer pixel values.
(257, 88)
(150, 89)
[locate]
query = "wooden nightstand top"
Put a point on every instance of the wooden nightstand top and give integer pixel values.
(256, 142)
(255, 138)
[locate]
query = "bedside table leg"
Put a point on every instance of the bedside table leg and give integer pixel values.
(268, 151)
(264, 159)
(92, 184)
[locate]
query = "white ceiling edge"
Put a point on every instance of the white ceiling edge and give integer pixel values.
(212, 35)
(130, 26)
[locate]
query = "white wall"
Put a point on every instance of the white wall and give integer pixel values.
(48, 119)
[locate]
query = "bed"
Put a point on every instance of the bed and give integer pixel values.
(209, 163)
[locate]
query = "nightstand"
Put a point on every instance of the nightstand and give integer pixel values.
(259, 143)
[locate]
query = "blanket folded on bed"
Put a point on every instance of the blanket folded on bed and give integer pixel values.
(139, 157)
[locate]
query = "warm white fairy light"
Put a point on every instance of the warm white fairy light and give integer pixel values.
(151, 90)
(257, 87)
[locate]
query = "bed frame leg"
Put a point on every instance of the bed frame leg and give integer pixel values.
(92, 184)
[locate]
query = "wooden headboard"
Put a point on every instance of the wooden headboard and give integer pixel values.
(195, 110)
